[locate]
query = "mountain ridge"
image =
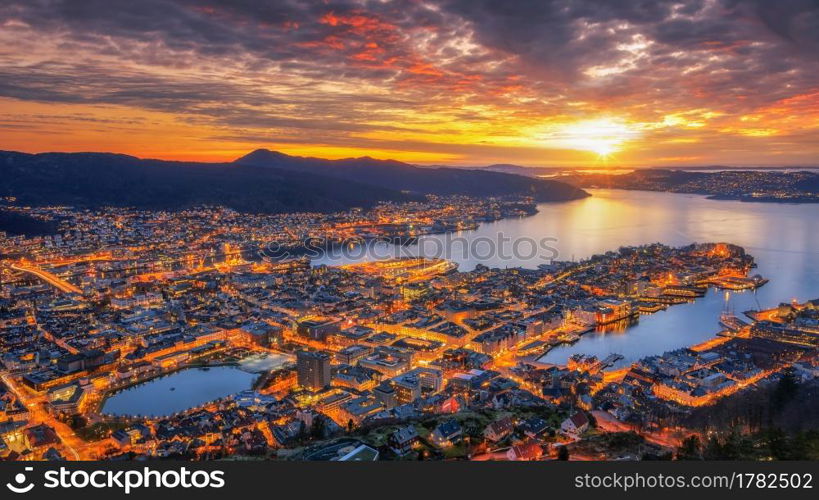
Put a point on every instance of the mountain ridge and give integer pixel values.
(396, 175)
(282, 184)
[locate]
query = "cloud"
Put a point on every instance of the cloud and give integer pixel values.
(422, 72)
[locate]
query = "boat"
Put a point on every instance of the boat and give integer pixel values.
(730, 322)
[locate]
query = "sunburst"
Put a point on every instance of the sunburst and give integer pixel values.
(602, 136)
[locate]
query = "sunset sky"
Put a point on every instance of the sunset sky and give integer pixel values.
(466, 82)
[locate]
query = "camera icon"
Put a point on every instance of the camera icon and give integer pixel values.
(21, 479)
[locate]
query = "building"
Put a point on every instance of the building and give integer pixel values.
(67, 398)
(500, 339)
(498, 429)
(446, 434)
(575, 425)
(261, 333)
(39, 437)
(527, 451)
(784, 333)
(410, 385)
(313, 369)
(131, 435)
(358, 409)
(385, 392)
(612, 310)
(415, 291)
(402, 441)
(352, 353)
(318, 328)
(389, 361)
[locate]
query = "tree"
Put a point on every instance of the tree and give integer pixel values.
(77, 422)
(799, 447)
(691, 449)
(777, 442)
(714, 449)
(350, 425)
(318, 428)
(563, 453)
(736, 447)
(785, 390)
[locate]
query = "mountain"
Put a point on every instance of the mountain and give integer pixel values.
(98, 179)
(263, 182)
(396, 175)
(508, 168)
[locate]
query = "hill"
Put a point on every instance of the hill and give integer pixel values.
(262, 182)
(745, 185)
(396, 175)
(98, 179)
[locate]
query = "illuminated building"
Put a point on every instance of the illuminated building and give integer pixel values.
(318, 328)
(313, 368)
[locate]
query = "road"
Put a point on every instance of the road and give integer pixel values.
(49, 278)
(607, 422)
(39, 414)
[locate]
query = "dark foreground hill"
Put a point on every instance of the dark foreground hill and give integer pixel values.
(396, 175)
(98, 179)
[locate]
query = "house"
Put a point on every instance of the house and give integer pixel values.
(131, 435)
(575, 425)
(40, 436)
(402, 440)
(53, 455)
(285, 434)
(498, 430)
(450, 405)
(534, 427)
(528, 450)
(446, 434)
(170, 449)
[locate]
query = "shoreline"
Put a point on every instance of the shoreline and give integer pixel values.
(718, 197)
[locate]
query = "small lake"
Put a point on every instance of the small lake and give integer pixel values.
(179, 391)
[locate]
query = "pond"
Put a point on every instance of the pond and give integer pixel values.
(179, 391)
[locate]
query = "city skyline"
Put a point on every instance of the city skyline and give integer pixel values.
(456, 83)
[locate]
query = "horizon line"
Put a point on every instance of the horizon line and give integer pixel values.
(435, 164)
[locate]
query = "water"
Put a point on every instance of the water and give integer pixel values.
(192, 387)
(784, 239)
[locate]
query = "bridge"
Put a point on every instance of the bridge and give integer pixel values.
(49, 278)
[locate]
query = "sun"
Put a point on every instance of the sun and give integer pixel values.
(602, 136)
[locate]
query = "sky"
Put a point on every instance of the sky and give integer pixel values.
(579, 83)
